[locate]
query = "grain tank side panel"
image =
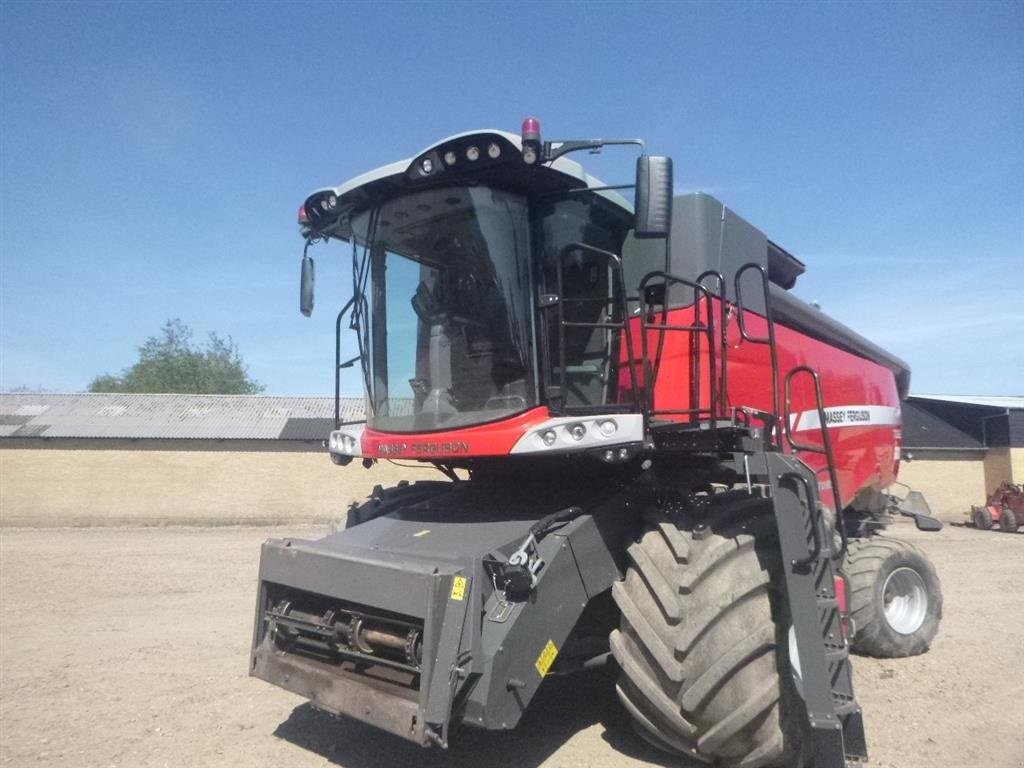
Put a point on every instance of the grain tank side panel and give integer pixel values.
(861, 397)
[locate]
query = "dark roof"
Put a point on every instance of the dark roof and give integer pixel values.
(204, 417)
(924, 429)
(1005, 402)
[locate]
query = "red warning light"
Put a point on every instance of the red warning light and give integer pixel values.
(531, 140)
(531, 129)
(303, 218)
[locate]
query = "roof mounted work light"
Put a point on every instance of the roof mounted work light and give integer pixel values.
(531, 140)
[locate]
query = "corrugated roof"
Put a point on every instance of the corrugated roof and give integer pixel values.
(1011, 403)
(204, 417)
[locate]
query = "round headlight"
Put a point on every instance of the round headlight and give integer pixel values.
(578, 431)
(473, 153)
(607, 427)
(549, 437)
(427, 165)
(529, 155)
(450, 157)
(493, 151)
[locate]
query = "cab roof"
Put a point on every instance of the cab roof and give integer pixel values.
(507, 169)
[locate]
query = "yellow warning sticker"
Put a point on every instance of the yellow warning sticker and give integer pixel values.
(459, 588)
(422, 533)
(546, 658)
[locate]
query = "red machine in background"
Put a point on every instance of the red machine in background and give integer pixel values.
(1004, 507)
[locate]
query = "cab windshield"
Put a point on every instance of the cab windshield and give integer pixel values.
(443, 310)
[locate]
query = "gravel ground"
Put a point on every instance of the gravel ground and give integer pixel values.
(129, 647)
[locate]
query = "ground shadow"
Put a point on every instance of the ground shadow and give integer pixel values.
(563, 707)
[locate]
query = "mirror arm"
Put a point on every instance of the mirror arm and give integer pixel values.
(554, 149)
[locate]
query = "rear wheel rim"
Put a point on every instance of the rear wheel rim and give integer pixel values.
(906, 600)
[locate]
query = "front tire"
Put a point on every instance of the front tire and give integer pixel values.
(702, 641)
(895, 597)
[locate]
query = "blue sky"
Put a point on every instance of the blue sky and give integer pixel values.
(154, 155)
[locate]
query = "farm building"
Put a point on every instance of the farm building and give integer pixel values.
(81, 459)
(961, 448)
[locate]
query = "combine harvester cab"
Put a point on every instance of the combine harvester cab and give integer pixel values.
(668, 457)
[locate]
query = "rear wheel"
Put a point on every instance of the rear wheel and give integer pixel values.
(1008, 520)
(895, 597)
(982, 518)
(703, 640)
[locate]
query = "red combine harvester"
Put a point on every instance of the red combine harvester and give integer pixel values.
(655, 454)
(1004, 507)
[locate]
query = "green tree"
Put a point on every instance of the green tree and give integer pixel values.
(169, 362)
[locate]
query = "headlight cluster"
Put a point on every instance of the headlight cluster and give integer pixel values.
(602, 435)
(578, 431)
(463, 154)
(343, 443)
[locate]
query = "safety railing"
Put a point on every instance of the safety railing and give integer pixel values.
(655, 289)
(824, 449)
(768, 338)
(616, 303)
(339, 365)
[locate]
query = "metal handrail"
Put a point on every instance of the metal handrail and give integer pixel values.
(769, 339)
(724, 318)
(825, 449)
(615, 262)
(338, 365)
(708, 329)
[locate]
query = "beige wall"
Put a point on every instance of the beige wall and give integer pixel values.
(1016, 461)
(86, 482)
(951, 481)
(998, 467)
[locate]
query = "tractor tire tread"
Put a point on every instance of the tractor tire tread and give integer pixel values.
(698, 648)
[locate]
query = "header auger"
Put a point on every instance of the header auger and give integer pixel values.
(668, 456)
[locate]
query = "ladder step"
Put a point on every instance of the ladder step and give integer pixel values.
(832, 709)
(846, 707)
(840, 654)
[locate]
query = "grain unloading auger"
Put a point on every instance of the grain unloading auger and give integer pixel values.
(666, 455)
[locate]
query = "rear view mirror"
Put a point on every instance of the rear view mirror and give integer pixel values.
(306, 283)
(653, 196)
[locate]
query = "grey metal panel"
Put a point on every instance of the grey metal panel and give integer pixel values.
(512, 648)
(705, 236)
(708, 236)
(210, 417)
(442, 534)
(392, 584)
(340, 695)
